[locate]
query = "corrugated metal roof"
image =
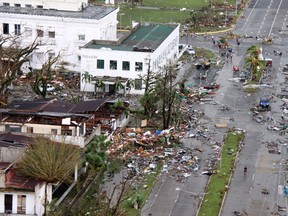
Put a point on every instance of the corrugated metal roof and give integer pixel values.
(146, 38)
(87, 106)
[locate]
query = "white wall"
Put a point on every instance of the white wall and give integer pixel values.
(30, 201)
(164, 54)
(40, 197)
(71, 5)
(67, 31)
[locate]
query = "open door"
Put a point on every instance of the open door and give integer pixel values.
(8, 201)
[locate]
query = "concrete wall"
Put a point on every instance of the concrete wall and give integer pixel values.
(9, 154)
(30, 201)
(167, 52)
(67, 31)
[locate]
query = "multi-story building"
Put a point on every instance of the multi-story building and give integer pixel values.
(146, 47)
(58, 26)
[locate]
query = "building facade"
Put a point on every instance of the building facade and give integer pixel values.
(146, 47)
(60, 27)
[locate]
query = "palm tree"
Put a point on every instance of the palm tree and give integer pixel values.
(254, 50)
(117, 86)
(99, 84)
(49, 162)
(254, 64)
(86, 78)
(129, 84)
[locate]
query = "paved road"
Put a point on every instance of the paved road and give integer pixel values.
(263, 18)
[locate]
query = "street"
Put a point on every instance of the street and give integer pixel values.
(257, 193)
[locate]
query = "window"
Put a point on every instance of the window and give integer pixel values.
(100, 64)
(138, 66)
(66, 132)
(30, 130)
(17, 5)
(12, 128)
(81, 37)
(17, 28)
(126, 65)
(39, 6)
(28, 5)
(113, 65)
(6, 4)
(40, 33)
(5, 28)
(51, 34)
(79, 58)
(21, 204)
(54, 131)
(138, 84)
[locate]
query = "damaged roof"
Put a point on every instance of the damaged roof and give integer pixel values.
(13, 139)
(88, 106)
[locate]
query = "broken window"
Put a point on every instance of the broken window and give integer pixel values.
(66, 132)
(30, 130)
(21, 204)
(138, 66)
(113, 65)
(12, 128)
(40, 33)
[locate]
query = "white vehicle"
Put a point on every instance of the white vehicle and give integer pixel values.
(50, 88)
(190, 50)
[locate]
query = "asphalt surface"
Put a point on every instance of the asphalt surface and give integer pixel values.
(266, 172)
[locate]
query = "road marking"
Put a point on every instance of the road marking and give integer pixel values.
(253, 176)
(275, 18)
(177, 198)
(170, 212)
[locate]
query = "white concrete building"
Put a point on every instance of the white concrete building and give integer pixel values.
(58, 25)
(130, 56)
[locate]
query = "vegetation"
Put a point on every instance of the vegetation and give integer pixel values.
(12, 57)
(95, 153)
(254, 64)
(219, 182)
(49, 162)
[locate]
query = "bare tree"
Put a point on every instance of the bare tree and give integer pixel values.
(12, 56)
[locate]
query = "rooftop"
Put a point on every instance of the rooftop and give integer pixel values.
(146, 38)
(90, 12)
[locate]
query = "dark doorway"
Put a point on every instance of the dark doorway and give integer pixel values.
(8, 203)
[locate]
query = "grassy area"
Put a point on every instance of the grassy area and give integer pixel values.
(218, 183)
(143, 15)
(192, 4)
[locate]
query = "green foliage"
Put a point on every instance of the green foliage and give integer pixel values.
(219, 181)
(95, 153)
(48, 161)
(149, 102)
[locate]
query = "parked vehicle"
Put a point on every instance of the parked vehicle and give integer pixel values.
(50, 88)
(190, 50)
